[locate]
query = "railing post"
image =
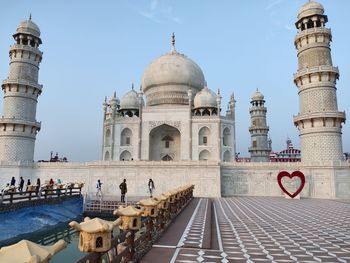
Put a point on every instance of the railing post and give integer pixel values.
(130, 240)
(149, 229)
(11, 198)
(30, 196)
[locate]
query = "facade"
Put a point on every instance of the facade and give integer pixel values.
(172, 130)
(18, 125)
(319, 121)
(180, 120)
(260, 148)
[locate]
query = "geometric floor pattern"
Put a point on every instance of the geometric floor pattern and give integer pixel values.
(261, 229)
(277, 230)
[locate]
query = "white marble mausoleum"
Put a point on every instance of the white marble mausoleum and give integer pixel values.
(173, 128)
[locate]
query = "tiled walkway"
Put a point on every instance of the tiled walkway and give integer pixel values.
(257, 229)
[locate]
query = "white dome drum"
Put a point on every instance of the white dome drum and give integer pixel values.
(167, 79)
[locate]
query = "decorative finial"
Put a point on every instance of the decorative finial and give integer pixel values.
(114, 94)
(106, 99)
(218, 92)
(140, 87)
(205, 84)
(132, 85)
(173, 43)
(30, 16)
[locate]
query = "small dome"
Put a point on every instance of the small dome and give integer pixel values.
(114, 99)
(130, 101)
(167, 79)
(257, 95)
(309, 9)
(28, 27)
(205, 99)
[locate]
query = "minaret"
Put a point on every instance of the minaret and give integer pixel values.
(18, 125)
(319, 121)
(260, 149)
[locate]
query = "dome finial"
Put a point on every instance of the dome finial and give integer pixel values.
(173, 43)
(132, 85)
(30, 16)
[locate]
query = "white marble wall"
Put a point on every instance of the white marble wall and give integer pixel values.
(327, 180)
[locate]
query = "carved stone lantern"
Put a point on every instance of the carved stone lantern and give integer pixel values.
(95, 234)
(130, 217)
(30, 252)
(171, 196)
(163, 201)
(150, 207)
(163, 209)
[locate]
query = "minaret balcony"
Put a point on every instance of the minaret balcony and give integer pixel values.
(12, 121)
(324, 68)
(319, 115)
(311, 31)
(22, 82)
(34, 50)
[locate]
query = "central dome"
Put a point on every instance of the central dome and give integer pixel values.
(167, 79)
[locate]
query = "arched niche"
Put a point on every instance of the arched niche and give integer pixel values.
(227, 156)
(125, 156)
(164, 140)
(108, 137)
(125, 137)
(204, 136)
(106, 158)
(204, 155)
(227, 137)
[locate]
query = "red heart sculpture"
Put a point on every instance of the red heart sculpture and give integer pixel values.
(294, 174)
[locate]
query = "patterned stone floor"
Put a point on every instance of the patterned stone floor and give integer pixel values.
(257, 229)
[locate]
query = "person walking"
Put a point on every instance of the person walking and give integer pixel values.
(151, 187)
(21, 184)
(99, 188)
(123, 190)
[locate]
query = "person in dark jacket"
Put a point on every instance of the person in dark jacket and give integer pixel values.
(123, 190)
(13, 181)
(37, 186)
(21, 184)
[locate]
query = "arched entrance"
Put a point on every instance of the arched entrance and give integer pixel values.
(164, 143)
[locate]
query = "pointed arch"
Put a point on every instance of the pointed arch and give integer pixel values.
(125, 137)
(227, 156)
(106, 156)
(125, 156)
(227, 137)
(108, 137)
(204, 155)
(164, 140)
(204, 136)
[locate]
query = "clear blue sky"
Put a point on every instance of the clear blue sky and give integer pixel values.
(93, 48)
